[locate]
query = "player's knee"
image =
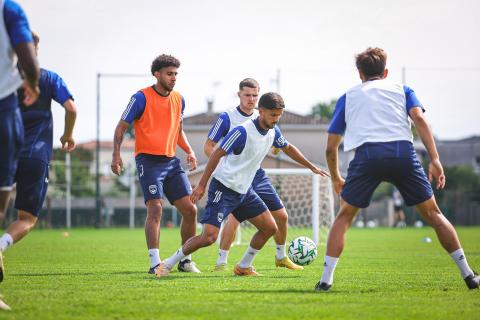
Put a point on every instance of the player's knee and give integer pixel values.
(27, 218)
(154, 209)
(281, 217)
(190, 212)
(271, 229)
(210, 238)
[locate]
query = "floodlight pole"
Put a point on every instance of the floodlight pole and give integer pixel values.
(98, 206)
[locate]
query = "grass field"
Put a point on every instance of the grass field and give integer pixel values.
(101, 274)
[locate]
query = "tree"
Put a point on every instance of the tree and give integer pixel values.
(324, 109)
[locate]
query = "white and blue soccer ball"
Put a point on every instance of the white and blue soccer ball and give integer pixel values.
(302, 251)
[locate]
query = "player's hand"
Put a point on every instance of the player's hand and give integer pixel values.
(435, 171)
(117, 164)
(192, 161)
(68, 144)
(338, 185)
(321, 172)
(30, 93)
(197, 193)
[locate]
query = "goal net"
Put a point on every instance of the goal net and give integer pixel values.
(309, 202)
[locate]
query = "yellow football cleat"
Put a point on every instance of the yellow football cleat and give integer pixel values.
(245, 271)
(287, 263)
(162, 270)
(220, 267)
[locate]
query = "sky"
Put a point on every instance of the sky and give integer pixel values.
(304, 50)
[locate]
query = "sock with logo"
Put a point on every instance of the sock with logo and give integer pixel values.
(248, 257)
(222, 257)
(154, 255)
(189, 257)
(280, 253)
(459, 257)
(6, 241)
(328, 269)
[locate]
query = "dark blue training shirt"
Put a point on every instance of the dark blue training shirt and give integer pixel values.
(37, 119)
(16, 23)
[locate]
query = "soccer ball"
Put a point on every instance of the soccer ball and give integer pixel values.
(302, 251)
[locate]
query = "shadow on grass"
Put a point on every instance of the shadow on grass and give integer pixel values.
(283, 291)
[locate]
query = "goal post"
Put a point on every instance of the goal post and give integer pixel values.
(308, 199)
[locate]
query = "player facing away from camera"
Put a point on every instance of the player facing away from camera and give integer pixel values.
(248, 94)
(32, 170)
(156, 113)
(373, 119)
(235, 163)
(16, 48)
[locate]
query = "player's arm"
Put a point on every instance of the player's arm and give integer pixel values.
(295, 154)
(335, 134)
(331, 153)
(435, 169)
(117, 163)
(209, 147)
(68, 143)
(234, 142)
(134, 110)
(20, 36)
(185, 145)
(219, 130)
(212, 163)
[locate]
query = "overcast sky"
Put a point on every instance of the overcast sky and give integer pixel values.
(311, 43)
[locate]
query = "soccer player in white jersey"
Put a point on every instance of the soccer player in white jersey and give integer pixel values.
(248, 94)
(235, 163)
(373, 118)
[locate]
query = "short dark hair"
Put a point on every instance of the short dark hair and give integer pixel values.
(36, 38)
(371, 62)
(164, 61)
(250, 83)
(271, 100)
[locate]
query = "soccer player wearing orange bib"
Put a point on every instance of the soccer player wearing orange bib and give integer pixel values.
(156, 113)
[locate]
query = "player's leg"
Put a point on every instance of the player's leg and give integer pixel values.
(227, 237)
(151, 174)
(152, 232)
(206, 238)
(448, 238)
(32, 186)
(177, 188)
(220, 200)
(265, 190)
(11, 139)
(254, 210)
(188, 228)
(266, 228)
(280, 237)
(362, 179)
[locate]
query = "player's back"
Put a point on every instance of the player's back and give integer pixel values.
(10, 78)
(375, 111)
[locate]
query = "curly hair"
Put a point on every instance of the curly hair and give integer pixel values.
(271, 100)
(163, 61)
(371, 62)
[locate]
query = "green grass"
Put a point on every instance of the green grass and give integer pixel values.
(101, 274)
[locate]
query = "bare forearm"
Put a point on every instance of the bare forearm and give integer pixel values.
(118, 138)
(332, 162)
(210, 167)
(28, 62)
(426, 135)
(297, 155)
(183, 143)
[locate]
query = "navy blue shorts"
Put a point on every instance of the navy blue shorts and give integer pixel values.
(395, 162)
(263, 187)
(222, 201)
(162, 176)
(11, 140)
(32, 185)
